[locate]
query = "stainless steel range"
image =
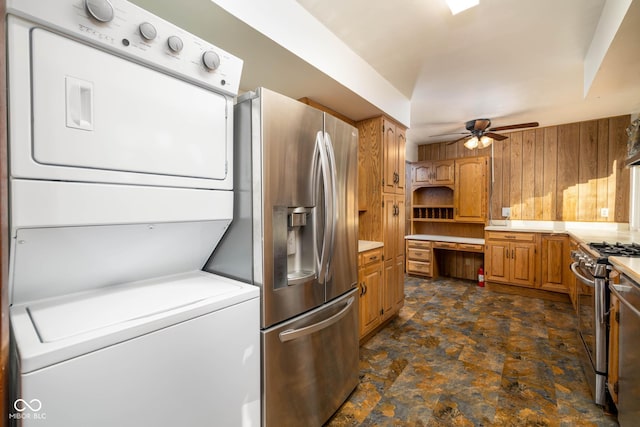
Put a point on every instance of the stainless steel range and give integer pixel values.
(591, 267)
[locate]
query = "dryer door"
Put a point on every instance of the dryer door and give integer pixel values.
(96, 115)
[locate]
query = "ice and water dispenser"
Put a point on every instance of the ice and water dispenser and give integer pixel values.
(294, 246)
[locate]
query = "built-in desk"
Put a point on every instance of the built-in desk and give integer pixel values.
(426, 256)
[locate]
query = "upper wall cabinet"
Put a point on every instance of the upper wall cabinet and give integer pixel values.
(470, 191)
(394, 139)
(433, 173)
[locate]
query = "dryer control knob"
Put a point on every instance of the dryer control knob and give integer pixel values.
(175, 43)
(148, 31)
(99, 9)
(211, 60)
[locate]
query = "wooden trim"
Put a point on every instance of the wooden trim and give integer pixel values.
(328, 110)
(528, 292)
(4, 230)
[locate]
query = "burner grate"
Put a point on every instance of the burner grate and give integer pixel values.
(617, 249)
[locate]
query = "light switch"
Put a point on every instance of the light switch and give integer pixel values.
(604, 212)
(506, 212)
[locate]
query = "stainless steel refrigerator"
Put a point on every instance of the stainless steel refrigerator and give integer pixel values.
(294, 234)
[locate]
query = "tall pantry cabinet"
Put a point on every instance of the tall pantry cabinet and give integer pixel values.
(381, 201)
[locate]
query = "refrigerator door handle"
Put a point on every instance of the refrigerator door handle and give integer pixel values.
(334, 203)
(292, 334)
(328, 203)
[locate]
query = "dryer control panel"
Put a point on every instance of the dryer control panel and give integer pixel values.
(128, 30)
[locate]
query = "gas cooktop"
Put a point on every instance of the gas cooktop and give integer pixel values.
(616, 249)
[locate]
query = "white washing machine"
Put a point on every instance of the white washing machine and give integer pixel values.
(120, 141)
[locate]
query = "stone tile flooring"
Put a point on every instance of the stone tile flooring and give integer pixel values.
(460, 355)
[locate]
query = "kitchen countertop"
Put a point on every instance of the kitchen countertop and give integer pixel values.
(367, 245)
(438, 238)
(628, 266)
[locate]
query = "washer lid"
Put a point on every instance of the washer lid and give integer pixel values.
(57, 329)
(58, 320)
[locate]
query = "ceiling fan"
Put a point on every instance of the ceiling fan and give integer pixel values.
(481, 135)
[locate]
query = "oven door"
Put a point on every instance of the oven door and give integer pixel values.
(592, 329)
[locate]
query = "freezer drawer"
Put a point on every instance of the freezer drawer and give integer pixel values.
(310, 364)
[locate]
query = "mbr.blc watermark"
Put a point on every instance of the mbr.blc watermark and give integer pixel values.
(27, 410)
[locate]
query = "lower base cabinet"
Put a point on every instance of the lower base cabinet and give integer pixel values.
(370, 283)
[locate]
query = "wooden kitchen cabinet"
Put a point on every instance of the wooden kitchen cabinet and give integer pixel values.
(393, 229)
(510, 258)
(433, 173)
(370, 282)
(572, 282)
(393, 158)
(555, 259)
(470, 190)
(419, 255)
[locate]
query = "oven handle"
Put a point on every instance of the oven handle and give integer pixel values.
(614, 289)
(583, 279)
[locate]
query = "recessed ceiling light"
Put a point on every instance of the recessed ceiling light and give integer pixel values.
(458, 6)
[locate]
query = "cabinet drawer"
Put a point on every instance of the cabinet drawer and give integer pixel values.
(470, 247)
(419, 244)
(369, 257)
(419, 267)
(518, 237)
(445, 245)
(420, 254)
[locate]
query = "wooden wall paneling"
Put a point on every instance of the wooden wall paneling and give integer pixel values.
(506, 172)
(451, 151)
(567, 190)
(515, 181)
(539, 169)
(495, 181)
(549, 181)
(618, 173)
(450, 229)
(602, 198)
(442, 151)
(587, 171)
(528, 175)
(570, 172)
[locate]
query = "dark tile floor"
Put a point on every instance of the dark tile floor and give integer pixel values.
(460, 355)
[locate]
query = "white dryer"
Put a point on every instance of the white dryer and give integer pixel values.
(121, 181)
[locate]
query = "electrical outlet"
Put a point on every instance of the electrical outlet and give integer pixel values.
(506, 212)
(604, 212)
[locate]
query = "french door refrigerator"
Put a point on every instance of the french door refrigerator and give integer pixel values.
(294, 234)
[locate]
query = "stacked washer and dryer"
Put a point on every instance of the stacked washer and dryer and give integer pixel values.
(121, 142)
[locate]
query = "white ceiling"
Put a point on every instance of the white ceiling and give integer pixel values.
(512, 61)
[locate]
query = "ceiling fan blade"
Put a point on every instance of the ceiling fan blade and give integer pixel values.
(518, 126)
(459, 139)
(495, 136)
(447, 134)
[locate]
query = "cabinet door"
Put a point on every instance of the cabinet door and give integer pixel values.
(421, 174)
(443, 173)
(389, 226)
(399, 288)
(523, 263)
(470, 189)
(401, 140)
(388, 288)
(371, 285)
(389, 156)
(496, 262)
(555, 270)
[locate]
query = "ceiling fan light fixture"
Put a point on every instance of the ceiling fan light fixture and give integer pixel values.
(458, 6)
(471, 143)
(485, 141)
